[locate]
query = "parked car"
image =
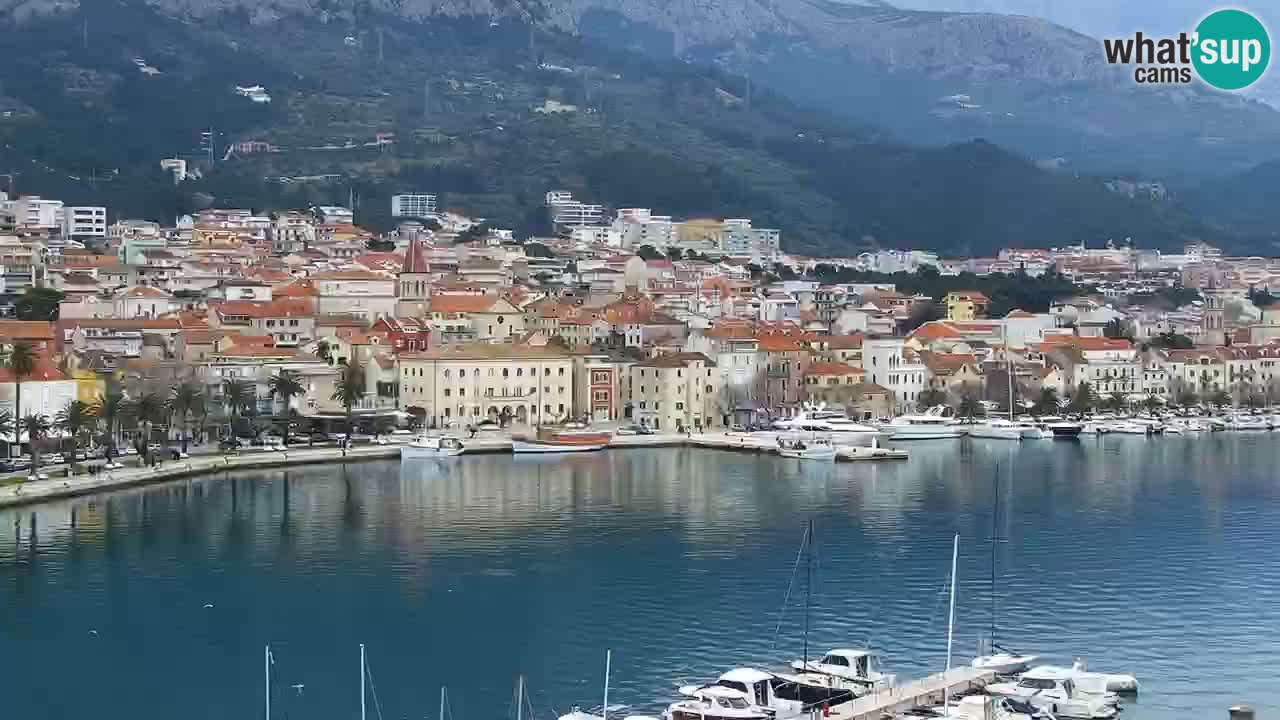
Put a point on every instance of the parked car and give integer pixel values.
(490, 425)
(226, 444)
(52, 459)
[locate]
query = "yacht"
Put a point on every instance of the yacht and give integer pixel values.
(1121, 683)
(837, 426)
(1056, 690)
(980, 707)
(936, 423)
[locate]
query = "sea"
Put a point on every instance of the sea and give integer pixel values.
(462, 576)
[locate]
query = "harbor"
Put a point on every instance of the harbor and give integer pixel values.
(1118, 550)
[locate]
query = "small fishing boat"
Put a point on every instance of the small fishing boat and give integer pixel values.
(563, 439)
(812, 449)
(432, 447)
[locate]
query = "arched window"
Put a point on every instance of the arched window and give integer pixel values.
(461, 373)
(504, 372)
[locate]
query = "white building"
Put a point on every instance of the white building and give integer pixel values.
(887, 364)
(740, 239)
(34, 212)
(413, 205)
(335, 215)
(356, 292)
(569, 213)
(46, 391)
(84, 222)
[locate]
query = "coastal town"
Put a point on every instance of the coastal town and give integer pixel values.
(620, 317)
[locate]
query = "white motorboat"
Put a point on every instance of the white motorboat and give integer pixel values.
(714, 702)
(856, 668)
(1090, 428)
(936, 423)
(836, 426)
(997, 430)
(811, 448)
(1098, 682)
(1124, 427)
(432, 447)
(1056, 690)
(981, 707)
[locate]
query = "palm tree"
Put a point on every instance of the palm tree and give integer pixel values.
(76, 419)
(1220, 398)
(185, 398)
(285, 385)
(349, 391)
(969, 407)
(932, 397)
(22, 362)
(111, 407)
(1047, 403)
(1118, 401)
(1151, 403)
(7, 429)
(146, 411)
(37, 428)
(236, 396)
(1084, 400)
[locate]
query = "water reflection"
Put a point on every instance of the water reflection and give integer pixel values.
(1137, 553)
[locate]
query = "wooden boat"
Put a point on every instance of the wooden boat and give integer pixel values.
(562, 439)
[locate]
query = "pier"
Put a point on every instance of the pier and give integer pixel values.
(929, 690)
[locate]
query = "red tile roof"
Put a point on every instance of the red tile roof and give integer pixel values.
(833, 369)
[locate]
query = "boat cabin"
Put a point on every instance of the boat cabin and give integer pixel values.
(713, 702)
(857, 665)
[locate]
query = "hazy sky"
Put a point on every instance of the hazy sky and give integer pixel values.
(1106, 18)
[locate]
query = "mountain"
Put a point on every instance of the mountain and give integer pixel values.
(1242, 204)
(930, 77)
(490, 114)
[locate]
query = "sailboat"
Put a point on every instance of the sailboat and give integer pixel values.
(997, 658)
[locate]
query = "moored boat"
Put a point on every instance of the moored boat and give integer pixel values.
(432, 447)
(563, 439)
(936, 423)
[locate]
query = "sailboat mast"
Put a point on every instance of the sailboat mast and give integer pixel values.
(808, 588)
(951, 616)
(995, 529)
(441, 702)
(1008, 367)
(266, 671)
(362, 683)
(604, 709)
(520, 698)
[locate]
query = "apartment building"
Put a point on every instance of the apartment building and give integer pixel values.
(413, 205)
(677, 391)
(84, 223)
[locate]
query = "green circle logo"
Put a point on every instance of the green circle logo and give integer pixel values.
(1232, 49)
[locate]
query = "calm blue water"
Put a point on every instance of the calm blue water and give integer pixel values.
(1151, 556)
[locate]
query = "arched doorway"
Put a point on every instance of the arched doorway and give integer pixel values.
(522, 415)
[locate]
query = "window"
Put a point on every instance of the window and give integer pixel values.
(547, 372)
(504, 372)
(561, 373)
(461, 373)
(501, 320)
(490, 372)
(448, 392)
(446, 374)
(519, 372)
(679, 406)
(462, 392)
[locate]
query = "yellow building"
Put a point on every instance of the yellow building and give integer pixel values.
(966, 305)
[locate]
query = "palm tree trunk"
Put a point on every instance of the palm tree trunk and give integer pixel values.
(17, 413)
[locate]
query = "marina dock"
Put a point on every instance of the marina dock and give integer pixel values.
(925, 691)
